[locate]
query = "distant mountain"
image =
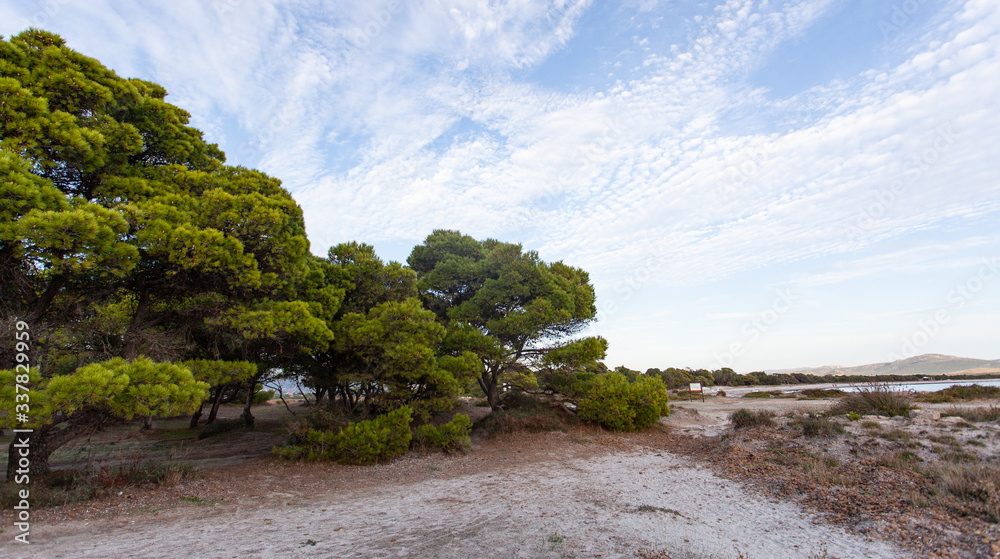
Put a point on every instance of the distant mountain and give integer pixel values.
(927, 364)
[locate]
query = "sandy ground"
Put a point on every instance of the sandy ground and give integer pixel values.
(575, 499)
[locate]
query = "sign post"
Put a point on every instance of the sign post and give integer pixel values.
(695, 387)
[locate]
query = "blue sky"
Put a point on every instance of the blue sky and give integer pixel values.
(754, 184)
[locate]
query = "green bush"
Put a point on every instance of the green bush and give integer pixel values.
(450, 437)
(746, 419)
(763, 394)
(364, 442)
(960, 392)
(262, 397)
(618, 405)
(819, 393)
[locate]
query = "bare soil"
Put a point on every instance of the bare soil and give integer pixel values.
(696, 491)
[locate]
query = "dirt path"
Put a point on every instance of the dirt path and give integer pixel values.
(570, 500)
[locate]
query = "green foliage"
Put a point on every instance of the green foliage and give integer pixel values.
(819, 393)
(764, 394)
(960, 393)
(571, 384)
(505, 305)
(116, 388)
(746, 419)
(364, 442)
(123, 233)
(451, 437)
(215, 373)
(263, 397)
(616, 404)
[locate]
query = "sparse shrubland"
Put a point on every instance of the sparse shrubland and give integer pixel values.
(875, 399)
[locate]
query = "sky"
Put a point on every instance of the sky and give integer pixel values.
(750, 184)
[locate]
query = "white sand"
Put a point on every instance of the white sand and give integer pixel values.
(573, 508)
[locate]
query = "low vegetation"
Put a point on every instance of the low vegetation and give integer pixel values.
(875, 399)
(747, 419)
(960, 393)
(975, 415)
(617, 404)
(450, 437)
(365, 442)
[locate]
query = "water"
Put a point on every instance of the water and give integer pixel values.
(931, 386)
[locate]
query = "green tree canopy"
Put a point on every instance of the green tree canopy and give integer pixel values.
(505, 305)
(68, 406)
(123, 233)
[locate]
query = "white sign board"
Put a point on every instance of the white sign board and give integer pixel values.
(695, 387)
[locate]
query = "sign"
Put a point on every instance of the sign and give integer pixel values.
(695, 387)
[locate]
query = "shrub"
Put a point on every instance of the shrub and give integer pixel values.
(763, 394)
(819, 426)
(976, 415)
(522, 412)
(573, 385)
(220, 426)
(263, 397)
(959, 392)
(746, 419)
(976, 484)
(721, 394)
(817, 393)
(618, 405)
(450, 437)
(875, 399)
(364, 442)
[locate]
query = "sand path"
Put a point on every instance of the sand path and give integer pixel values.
(612, 505)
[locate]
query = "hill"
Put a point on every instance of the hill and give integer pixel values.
(927, 364)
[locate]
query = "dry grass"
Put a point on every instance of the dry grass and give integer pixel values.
(976, 484)
(975, 415)
(746, 419)
(875, 399)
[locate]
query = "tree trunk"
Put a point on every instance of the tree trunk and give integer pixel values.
(36, 447)
(196, 416)
(488, 382)
(246, 415)
(220, 391)
(147, 423)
